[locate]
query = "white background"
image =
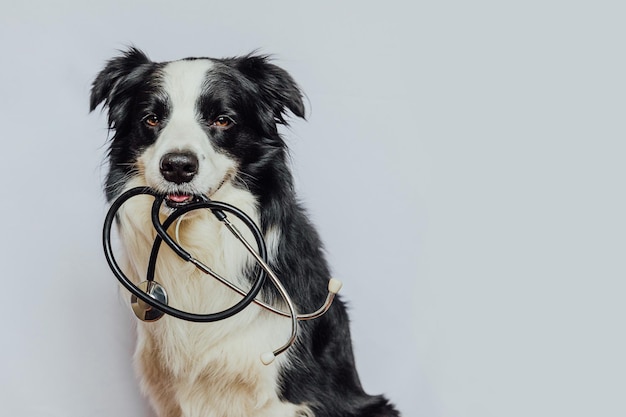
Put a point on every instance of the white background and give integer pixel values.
(464, 162)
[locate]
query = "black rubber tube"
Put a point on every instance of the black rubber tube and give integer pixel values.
(217, 208)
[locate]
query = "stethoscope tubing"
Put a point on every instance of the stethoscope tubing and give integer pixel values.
(218, 209)
(162, 235)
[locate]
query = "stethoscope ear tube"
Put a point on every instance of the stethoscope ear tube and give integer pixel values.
(218, 207)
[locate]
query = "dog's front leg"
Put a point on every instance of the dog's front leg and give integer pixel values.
(156, 381)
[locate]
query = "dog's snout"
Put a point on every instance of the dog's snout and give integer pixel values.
(179, 167)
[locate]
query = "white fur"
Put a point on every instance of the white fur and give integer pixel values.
(211, 369)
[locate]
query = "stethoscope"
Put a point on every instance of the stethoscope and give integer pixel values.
(149, 299)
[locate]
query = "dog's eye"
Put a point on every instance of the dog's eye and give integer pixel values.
(223, 122)
(151, 120)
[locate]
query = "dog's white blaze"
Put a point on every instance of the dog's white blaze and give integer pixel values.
(183, 82)
(211, 369)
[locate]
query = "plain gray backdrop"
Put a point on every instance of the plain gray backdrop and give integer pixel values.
(463, 161)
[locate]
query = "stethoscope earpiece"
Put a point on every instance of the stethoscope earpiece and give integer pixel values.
(143, 310)
(267, 358)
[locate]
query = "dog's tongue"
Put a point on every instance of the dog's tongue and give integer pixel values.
(178, 198)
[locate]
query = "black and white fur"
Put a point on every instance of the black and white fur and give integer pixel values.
(209, 126)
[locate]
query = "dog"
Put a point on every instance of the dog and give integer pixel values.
(205, 126)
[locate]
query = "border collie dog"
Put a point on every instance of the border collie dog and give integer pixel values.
(203, 126)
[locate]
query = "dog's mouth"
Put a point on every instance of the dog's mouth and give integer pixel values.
(176, 200)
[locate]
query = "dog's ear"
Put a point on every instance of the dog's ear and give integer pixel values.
(279, 90)
(116, 77)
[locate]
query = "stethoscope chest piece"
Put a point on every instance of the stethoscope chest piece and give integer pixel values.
(143, 310)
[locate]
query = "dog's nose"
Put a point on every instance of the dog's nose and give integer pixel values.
(179, 167)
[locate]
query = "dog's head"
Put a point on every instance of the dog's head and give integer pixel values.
(187, 127)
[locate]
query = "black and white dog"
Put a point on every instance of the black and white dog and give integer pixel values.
(203, 126)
